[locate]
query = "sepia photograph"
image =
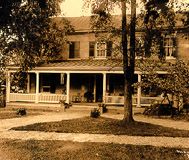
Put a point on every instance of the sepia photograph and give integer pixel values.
(94, 79)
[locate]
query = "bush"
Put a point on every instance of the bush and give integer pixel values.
(158, 109)
(21, 111)
(95, 113)
(103, 107)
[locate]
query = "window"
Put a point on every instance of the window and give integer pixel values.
(74, 50)
(169, 46)
(91, 49)
(139, 47)
(100, 49)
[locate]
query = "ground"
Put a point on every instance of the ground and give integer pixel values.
(53, 146)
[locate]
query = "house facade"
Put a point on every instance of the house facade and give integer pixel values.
(90, 71)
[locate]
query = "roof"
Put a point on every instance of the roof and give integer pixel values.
(83, 23)
(83, 65)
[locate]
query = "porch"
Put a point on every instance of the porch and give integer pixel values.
(51, 87)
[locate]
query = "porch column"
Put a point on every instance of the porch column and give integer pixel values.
(139, 91)
(37, 88)
(8, 87)
(28, 83)
(68, 88)
(94, 91)
(104, 87)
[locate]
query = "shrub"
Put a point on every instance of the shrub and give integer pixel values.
(95, 113)
(21, 111)
(158, 109)
(103, 107)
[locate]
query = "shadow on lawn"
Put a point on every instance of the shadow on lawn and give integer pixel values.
(104, 126)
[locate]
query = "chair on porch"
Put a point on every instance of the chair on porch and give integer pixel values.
(77, 98)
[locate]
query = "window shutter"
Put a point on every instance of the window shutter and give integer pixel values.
(77, 50)
(71, 49)
(91, 49)
(109, 48)
(74, 50)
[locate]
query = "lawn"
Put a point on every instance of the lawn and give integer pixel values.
(8, 113)
(12, 114)
(63, 150)
(105, 126)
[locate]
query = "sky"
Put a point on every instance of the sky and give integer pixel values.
(74, 8)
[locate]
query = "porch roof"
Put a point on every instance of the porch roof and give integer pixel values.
(83, 65)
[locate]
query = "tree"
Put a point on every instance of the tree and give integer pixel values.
(152, 12)
(102, 10)
(28, 34)
(173, 82)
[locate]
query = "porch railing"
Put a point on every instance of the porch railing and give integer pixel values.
(145, 101)
(49, 98)
(20, 97)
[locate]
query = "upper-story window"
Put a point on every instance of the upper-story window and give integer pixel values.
(100, 49)
(74, 50)
(169, 46)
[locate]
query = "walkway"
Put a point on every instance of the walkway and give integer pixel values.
(5, 133)
(182, 125)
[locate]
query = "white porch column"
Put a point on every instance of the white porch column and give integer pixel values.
(94, 91)
(8, 87)
(104, 87)
(37, 88)
(139, 91)
(68, 88)
(28, 83)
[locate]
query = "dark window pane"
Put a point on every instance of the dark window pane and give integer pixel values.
(71, 50)
(91, 49)
(109, 48)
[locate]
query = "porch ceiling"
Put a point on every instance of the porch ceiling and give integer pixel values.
(84, 65)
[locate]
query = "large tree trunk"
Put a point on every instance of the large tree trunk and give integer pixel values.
(128, 61)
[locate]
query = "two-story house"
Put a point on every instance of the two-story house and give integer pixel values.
(89, 71)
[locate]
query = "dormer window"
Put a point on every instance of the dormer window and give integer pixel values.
(169, 47)
(100, 49)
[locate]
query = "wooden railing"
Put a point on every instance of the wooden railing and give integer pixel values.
(21, 97)
(48, 98)
(145, 101)
(51, 98)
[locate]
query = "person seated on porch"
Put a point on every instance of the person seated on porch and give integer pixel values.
(89, 96)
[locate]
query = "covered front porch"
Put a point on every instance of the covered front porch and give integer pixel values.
(80, 87)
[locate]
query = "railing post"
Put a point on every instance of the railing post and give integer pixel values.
(8, 87)
(104, 87)
(37, 88)
(68, 88)
(139, 91)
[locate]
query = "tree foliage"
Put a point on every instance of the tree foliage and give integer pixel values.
(173, 81)
(156, 14)
(28, 34)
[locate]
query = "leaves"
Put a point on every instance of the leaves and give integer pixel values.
(174, 80)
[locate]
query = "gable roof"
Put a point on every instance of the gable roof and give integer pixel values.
(83, 23)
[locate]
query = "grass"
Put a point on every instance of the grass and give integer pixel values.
(63, 150)
(105, 126)
(12, 114)
(8, 112)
